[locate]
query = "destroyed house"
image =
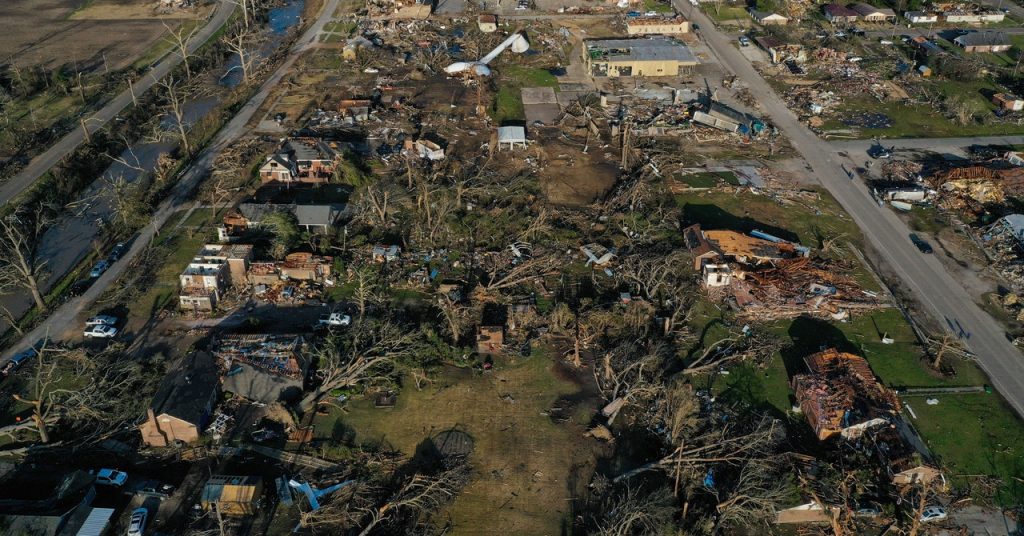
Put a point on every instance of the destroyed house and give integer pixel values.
(182, 405)
(235, 496)
(893, 447)
(306, 267)
(273, 354)
(214, 268)
(840, 395)
(750, 249)
(490, 339)
(981, 184)
(984, 42)
(656, 56)
(702, 250)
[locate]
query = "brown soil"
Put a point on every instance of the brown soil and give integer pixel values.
(570, 176)
(50, 33)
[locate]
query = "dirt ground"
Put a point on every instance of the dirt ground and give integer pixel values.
(52, 33)
(527, 469)
(570, 176)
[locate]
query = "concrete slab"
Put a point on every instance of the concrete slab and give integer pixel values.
(538, 95)
(545, 113)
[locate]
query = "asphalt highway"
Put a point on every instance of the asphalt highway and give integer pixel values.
(929, 282)
(67, 145)
(66, 316)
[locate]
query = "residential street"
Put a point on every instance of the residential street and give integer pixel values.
(65, 317)
(939, 145)
(922, 274)
(67, 145)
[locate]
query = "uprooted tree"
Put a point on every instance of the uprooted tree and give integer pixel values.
(20, 264)
(369, 350)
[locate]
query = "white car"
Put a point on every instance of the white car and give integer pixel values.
(101, 320)
(100, 331)
(138, 522)
(933, 513)
(111, 477)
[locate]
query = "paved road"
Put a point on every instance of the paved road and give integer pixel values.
(67, 145)
(939, 145)
(923, 275)
(67, 315)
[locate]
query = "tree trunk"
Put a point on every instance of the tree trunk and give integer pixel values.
(33, 286)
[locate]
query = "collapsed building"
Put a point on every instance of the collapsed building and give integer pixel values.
(214, 269)
(767, 276)
(262, 367)
(840, 395)
(980, 184)
(301, 160)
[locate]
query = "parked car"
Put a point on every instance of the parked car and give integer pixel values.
(334, 319)
(960, 31)
(111, 477)
(877, 151)
(744, 41)
(100, 331)
(884, 42)
(101, 320)
(868, 511)
(137, 525)
(933, 513)
(840, 34)
(118, 251)
(156, 489)
(99, 268)
(18, 359)
(921, 243)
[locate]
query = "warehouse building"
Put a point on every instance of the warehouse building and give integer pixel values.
(656, 56)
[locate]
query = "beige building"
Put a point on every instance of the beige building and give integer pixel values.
(653, 56)
(211, 272)
(657, 26)
(182, 406)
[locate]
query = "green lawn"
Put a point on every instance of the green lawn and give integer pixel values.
(975, 434)
(657, 6)
(726, 13)
(523, 462)
(921, 121)
(709, 179)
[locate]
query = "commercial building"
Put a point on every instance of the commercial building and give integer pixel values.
(657, 26)
(656, 56)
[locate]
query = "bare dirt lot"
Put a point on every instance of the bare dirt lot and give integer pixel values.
(576, 171)
(53, 33)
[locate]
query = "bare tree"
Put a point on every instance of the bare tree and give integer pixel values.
(240, 43)
(44, 397)
(455, 315)
(20, 265)
(180, 38)
(176, 99)
(420, 494)
(636, 512)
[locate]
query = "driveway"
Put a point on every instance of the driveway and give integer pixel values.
(929, 283)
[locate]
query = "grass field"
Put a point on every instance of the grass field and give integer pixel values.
(508, 101)
(916, 121)
(525, 467)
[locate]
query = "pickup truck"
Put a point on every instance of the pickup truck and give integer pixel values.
(333, 320)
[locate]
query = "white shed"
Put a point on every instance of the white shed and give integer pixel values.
(511, 136)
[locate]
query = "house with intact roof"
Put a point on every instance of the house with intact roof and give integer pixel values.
(839, 14)
(984, 42)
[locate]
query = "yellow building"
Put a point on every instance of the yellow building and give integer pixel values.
(655, 56)
(657, 25)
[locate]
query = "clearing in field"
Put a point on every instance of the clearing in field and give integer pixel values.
(527, 468)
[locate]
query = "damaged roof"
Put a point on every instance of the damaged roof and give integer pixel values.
(742, 246)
